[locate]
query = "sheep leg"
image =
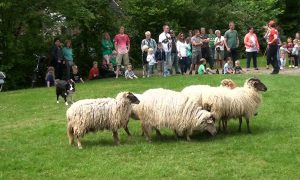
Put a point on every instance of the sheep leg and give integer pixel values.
(146, 131)
(127, 131)
(176, 134)
(240, 124)
(219, 128)
(158, 132)
(248, 126)
(188, 133)
(79, 143)
(70, 135)
(116, 137)
(224, 123)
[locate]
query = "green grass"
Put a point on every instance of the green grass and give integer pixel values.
(34, 144)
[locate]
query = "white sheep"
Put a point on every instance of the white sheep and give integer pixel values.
(161, 108)
(225, 103)
(99, 114)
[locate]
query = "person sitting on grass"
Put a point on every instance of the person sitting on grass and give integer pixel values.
(238, 69)
(75, 76)
(129, 74)
(228, 69)
(105, 70)
(94, 71)
(202, 70)
(50, 76)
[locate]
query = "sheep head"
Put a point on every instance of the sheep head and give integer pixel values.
(129, 96)
(256, 84)
(206, 123)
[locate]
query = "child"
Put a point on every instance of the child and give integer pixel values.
(283, 52)
(129, 73)
(145, 62)
(290, 46)
(160, 57)
(75, 76)
(228, 66)
(151, 61)
(202, 70)
(105, 70)
(229, 83)
(94, 71)
(238, 69)
(50, 76)
(113, 61)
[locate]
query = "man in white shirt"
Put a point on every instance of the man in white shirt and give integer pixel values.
(165, 39)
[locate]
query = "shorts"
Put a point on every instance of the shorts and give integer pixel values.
(124, 58)
(107, 58)
(219, 55)
(196, 56)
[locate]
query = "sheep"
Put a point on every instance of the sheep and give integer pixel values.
(226, 103)
(99, 114)
(161, 108)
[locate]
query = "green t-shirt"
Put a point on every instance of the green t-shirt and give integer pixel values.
(231, 37)
(212, 38)
(107, 47)
(201, 69)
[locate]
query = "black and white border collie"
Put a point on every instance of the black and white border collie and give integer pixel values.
(65, 89)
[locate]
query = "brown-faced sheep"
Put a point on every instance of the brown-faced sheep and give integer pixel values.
(226, 103)
(99, 114)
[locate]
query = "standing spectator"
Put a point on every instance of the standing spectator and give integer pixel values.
(107, 47)
(122, 46)
(296, 49)
(160, 57)
(151, 61)
(151, 43)
(68, 57)
(165, 39)
(266, 36)
(196, 51)
(189, 49)
(272, 52)
(182, 52)
(290, 46)
(174, 54)
(205, 47)
(252, 47)
(94, 71)
(232, 42)
(219, 49)
(58, 61)
(212, 38)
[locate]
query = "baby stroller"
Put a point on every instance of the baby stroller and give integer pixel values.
(39, 72)
(2, 77)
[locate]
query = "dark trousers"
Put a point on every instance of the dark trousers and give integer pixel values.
(206, 55)
(59, 70)
(233, 54)
(252, 55)
(272, 57)
(296, 59)
(183, 62)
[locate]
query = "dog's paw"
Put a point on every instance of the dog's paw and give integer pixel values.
(57, 102)
(66, 103)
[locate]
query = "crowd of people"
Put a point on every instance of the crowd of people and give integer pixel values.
(198, 53)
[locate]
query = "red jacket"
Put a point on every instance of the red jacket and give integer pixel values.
(94, 73)
(248, 42)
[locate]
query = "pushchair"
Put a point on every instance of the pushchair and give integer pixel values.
(38, 77)
(2, 77)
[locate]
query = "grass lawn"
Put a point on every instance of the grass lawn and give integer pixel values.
(34, 144)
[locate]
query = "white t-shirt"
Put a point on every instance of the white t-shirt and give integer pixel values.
(219, 39)
(181, 48)
(151, 59)
(165, 39)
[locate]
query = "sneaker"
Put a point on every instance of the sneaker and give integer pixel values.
(296, 67)
(256, 69)
(281, 68)
(143, 76)
(274, 72)
(290, 66)
(248, 69)
(267, 67)
(293, 66)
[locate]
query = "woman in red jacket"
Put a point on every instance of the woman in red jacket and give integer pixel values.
(94, 72)
(252, 48)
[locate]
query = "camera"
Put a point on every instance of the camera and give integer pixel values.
(218, 49)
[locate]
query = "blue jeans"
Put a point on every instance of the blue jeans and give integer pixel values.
(168, 62)
(174, 61)
(150, 69)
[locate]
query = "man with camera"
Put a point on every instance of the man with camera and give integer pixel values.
(165, 39)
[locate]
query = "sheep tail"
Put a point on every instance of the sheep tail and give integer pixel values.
(70, 134)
